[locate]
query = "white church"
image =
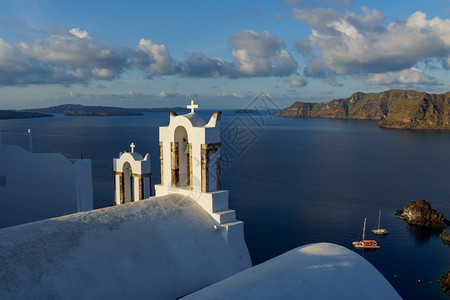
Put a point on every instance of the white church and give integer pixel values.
(184, 242)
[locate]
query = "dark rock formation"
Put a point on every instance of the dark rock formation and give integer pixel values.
(420, 213)
(445, 237)
(400, 109)
(444, 281)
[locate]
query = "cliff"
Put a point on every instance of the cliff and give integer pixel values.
(420, 213)
(400, 109)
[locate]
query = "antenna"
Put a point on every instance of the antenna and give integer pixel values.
(30, 141)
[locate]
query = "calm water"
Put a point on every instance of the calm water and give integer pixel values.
(293, 181)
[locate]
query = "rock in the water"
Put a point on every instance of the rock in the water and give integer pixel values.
(420, 213)
(444, 281)
(445, 237)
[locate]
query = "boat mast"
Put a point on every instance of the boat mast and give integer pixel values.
(379, 219)
(364, 229)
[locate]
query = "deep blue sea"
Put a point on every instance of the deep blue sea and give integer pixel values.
(292, 181)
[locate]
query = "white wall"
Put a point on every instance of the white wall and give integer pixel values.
(41, 185)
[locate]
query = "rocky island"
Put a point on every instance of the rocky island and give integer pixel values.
(420, 213)
(445, 237)
(444, 281)
(399, 109)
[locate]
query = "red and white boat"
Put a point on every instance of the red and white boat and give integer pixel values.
(365, 244)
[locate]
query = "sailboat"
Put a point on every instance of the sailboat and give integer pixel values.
(379, 231)
(365, 244)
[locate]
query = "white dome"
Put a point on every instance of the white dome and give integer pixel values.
(195, 119)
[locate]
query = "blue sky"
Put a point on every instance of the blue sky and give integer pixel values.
(220, 53)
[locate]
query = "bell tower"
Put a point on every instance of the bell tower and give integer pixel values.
(190, 165)
(132, 177)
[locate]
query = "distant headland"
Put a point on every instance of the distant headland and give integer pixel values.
(81, 110)
(398, 109)
(13, 114)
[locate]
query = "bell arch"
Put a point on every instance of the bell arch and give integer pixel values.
(181, 158)
(128, 186)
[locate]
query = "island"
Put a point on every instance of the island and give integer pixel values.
(96, 113)
(14, 114)
(420, 213)
(396, 109)
(82, 110)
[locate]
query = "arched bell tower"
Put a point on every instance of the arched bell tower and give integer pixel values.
(190, 165)
(132, 177)
(190, 153)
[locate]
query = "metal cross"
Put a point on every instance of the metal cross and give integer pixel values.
(192, 106)
(132, 147)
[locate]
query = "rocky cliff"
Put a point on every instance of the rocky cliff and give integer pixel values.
(444, 281)
(445, 237)
(401, 109)
(420, 213)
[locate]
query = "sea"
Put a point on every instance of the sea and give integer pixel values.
(293, 181)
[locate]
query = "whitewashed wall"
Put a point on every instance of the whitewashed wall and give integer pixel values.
(41, 185)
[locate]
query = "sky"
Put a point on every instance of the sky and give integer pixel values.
(222, 54)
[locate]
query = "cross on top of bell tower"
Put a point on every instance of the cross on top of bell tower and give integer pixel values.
(192, 106)
(132, 147)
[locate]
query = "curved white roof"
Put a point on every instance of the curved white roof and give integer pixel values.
(136, 156)
(315, 271)
(195, 119)
(161, 248)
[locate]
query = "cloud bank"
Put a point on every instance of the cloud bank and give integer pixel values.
(342, 44)
(73, 56)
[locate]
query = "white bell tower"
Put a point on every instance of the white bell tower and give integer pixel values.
(132, 177)
(190, 165)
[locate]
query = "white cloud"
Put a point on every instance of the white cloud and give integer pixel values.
(297, 81)
(254, 55)
(359, 43)
(154, 58)
(408, 77)
(73, 56)
(79, 33)
(65, 57)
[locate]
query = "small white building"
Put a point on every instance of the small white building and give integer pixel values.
(36, 186)
(190, 165)
(132, 177)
